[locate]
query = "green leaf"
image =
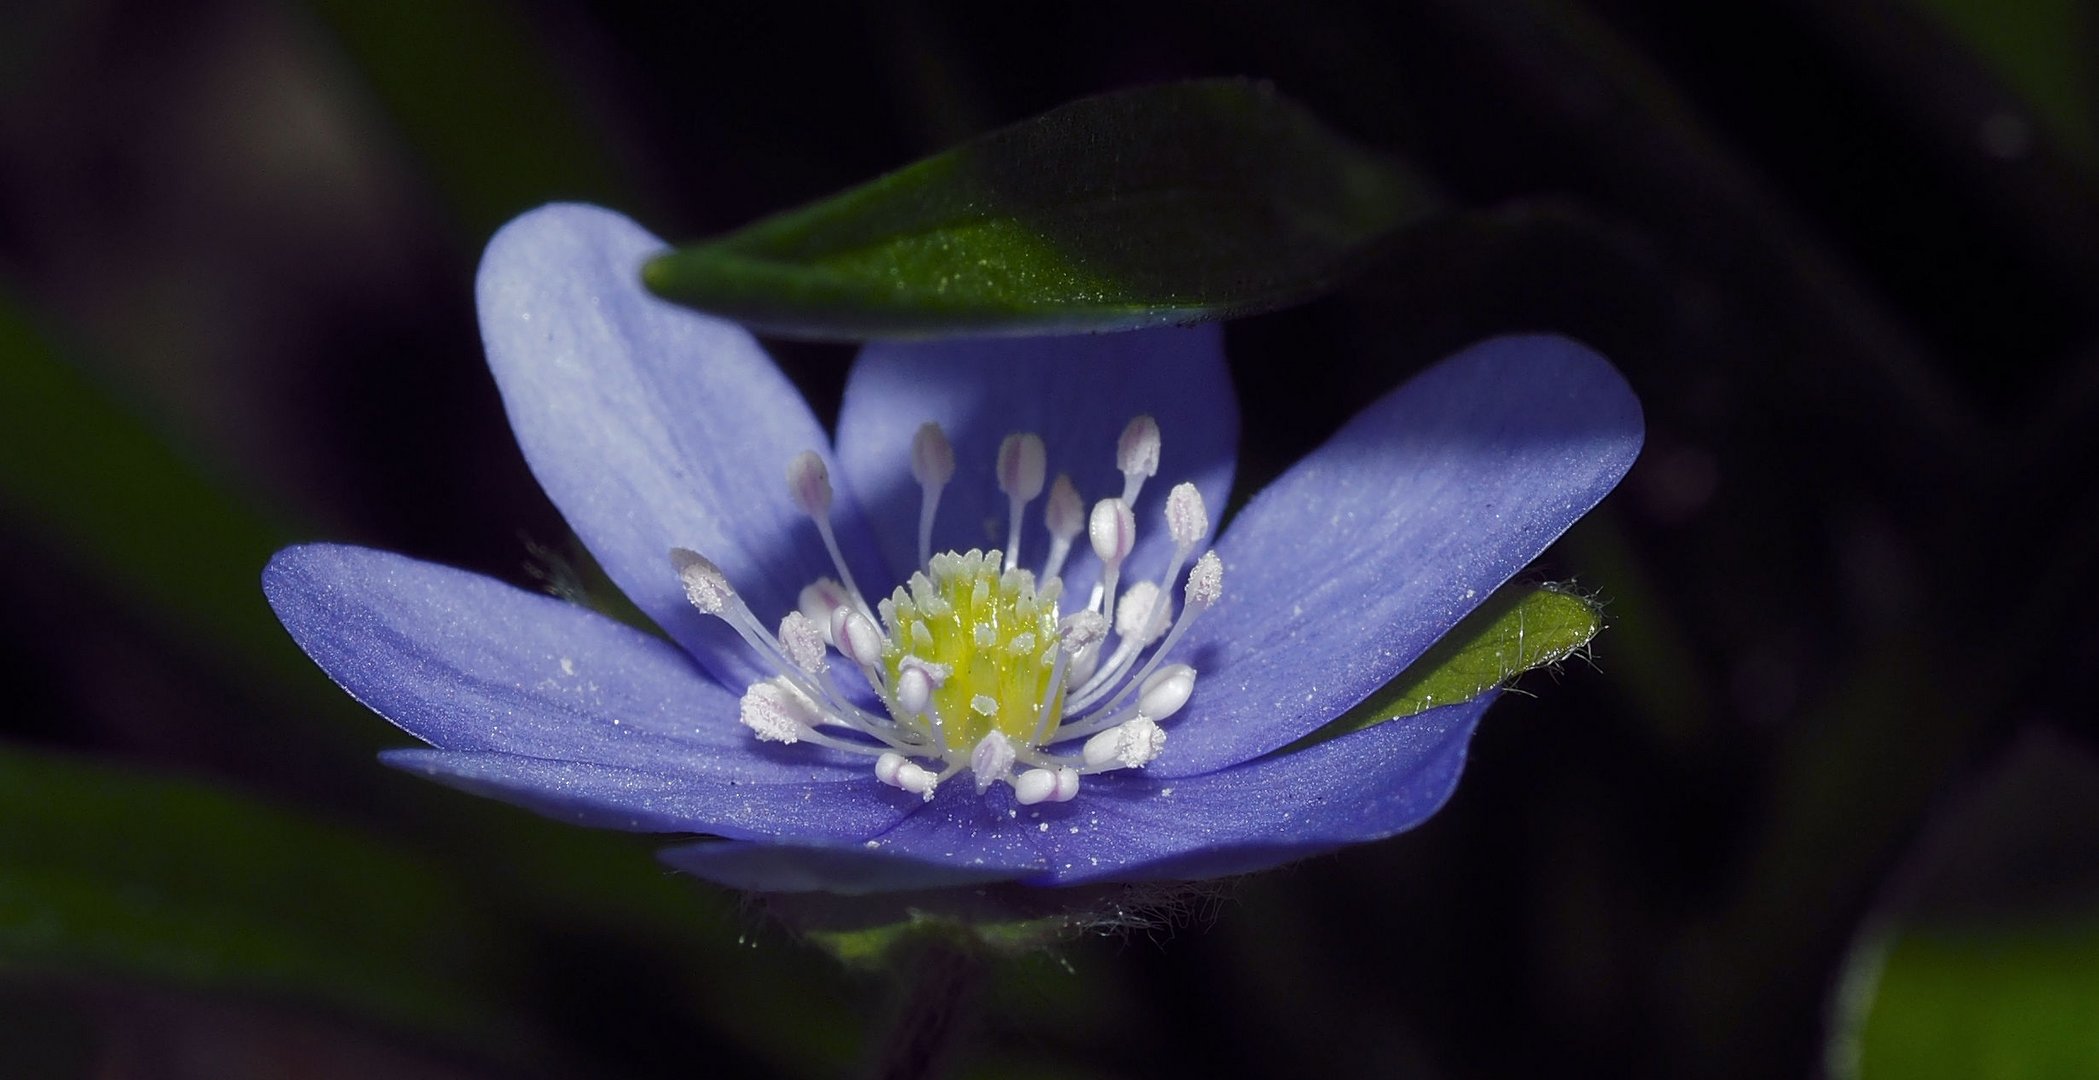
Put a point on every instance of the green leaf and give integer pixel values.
(1519, 628)
(119, 873)
(2007, 1002)
(1170, 204)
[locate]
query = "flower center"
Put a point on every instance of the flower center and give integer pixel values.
(974, 667)
(990, 641)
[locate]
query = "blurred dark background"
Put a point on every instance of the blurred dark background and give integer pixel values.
(1824, 800)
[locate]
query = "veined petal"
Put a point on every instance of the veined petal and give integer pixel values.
(850, 868)
(1363, 786)
(651, 426)
(1076, 392)
(465, 662)
(1351, 564)
(662, 800)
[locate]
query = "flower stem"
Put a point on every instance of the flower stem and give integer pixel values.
(938, 1006)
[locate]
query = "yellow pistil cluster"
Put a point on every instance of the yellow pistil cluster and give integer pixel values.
(988, 640)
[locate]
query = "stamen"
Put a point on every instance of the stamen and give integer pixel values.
(856, 638)
(1206, 581)
(708, 589)
(1124, 746)
(1065, 516)
(1188, 522)
(1082, 631)
(1166, 691)
(898, 772)
(809, 482)
(1113, 530)
(1046, 785)
(1138, 622)
(1187, 519)
(771, 712)
(1205, 585)
(933, 465)
(1137, 456)
(820, 600)
(1022, 463)
(1160, 696)
(705, 584)
(914, 690)
(802, 642)
(992, 760)
(1138, 618)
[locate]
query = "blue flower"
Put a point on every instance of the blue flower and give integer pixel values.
(983, 721)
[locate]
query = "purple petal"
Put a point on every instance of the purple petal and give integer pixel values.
(1076, 392)
(1130, 827)
(1363, 786)
(851, 870)
(1345, 569)
(468, 663)
(663, 800)
(651, 426)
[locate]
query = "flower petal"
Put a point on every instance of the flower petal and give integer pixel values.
(662, 800)
(1127, 826)
(465, 662)
(651, 426)
(1076, 392)
(1362, 786)
(1351, 564)
(851, 869)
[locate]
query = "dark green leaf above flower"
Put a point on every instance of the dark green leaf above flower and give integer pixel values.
(1149, 207)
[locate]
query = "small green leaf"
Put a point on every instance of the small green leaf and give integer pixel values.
(120, 873)
(1519, 628)
(1169, 204)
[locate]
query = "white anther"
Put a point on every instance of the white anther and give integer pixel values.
(705, 584)
(1065, 513)
(1046, 785)
(1137, 452)
(933, 464)
(1206, 581)
(776, 712)
(1166, 691)
(1187, 519)
(856, 637)
(1137, 619)
(914, 690)
(991, 760)
(932, 457)
(1083, 629)
(899, 772)
(809, 481)
(1113, 530)
(1022, 463)
(1125, 746)
(802, 642)
(820, 600)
